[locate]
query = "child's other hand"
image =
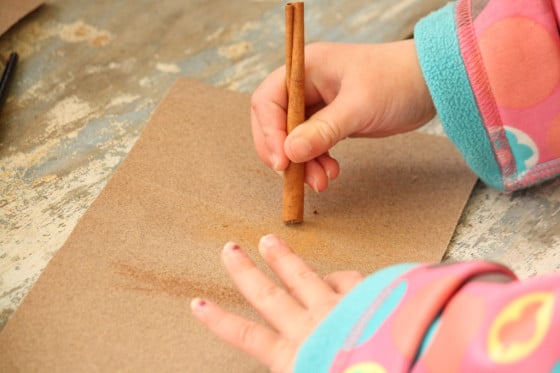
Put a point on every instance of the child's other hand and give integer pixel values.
(293, 312)
(351, 90)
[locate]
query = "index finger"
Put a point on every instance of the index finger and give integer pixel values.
(269, 104)
(271, 301)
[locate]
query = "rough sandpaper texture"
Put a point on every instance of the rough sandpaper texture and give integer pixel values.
(116, 295)
(12, 11)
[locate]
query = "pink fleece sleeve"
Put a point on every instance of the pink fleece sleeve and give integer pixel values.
(511, 51)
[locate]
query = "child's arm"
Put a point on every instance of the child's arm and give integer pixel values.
(464, 317)
(493, 70)
(472, 317)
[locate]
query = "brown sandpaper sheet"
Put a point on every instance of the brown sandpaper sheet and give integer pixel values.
(11, 11)
(116, 295)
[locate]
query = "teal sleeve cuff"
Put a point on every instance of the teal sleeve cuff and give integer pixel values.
(320, 349)
(446, 76)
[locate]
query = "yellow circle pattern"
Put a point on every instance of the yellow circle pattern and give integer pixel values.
(365, 368)
(506, 352)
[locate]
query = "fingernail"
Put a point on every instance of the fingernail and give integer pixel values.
(314, 185)
(275, 160)
(232, 247)
(300, 148)
(329, 175)
(198, 304)
(268, 241)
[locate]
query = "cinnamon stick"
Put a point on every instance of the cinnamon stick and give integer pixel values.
(292, 210)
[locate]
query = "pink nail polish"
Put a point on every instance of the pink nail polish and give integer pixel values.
(232, 247)
(198, 304)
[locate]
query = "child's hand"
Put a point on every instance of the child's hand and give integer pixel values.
(293, 313)
(352, 90)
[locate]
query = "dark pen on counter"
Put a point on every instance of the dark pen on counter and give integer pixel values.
(6, 77)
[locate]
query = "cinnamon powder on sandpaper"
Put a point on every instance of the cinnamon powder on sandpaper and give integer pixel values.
(116, 295)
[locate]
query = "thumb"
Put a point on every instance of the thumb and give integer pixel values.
(317, 135)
